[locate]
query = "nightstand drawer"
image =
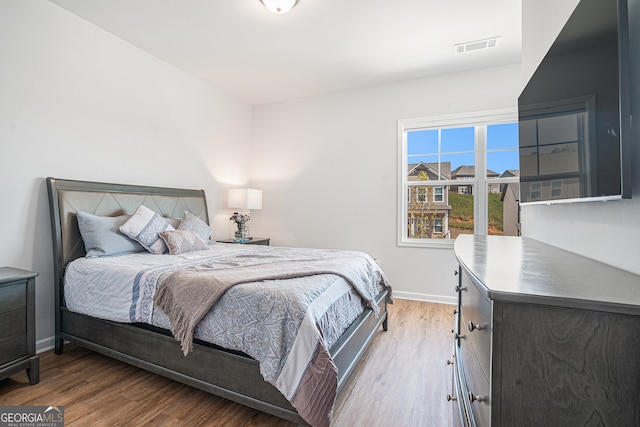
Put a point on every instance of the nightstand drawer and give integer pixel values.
(13, 322)
(476, 324)
(17, 323)
(12, 297)
(13, 347)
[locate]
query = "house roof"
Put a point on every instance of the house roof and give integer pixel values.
(432, 168)
(470, 171)
(509, 173)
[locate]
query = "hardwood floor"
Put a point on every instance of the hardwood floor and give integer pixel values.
(402, 380)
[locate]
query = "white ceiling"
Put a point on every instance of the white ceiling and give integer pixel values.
(321, 46)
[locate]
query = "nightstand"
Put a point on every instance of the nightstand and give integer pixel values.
(252, 241)
(18, 323)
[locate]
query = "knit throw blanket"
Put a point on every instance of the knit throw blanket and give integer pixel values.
(186, 296)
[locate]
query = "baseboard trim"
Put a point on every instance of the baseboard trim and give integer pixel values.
(45, 344)
(439, 299)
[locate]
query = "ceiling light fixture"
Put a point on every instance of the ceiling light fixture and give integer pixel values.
(279, 6)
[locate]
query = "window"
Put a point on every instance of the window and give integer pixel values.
(536, 190)
(438, 194)
(437, 226)
(421, 194)
(438, 159)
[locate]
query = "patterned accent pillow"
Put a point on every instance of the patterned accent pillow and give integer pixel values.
(179, 241)
(144, 226)
(193, 223)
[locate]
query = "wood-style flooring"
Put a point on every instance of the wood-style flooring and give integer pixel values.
(402, 380)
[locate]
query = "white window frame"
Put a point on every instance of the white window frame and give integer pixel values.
(479, 120)
(535, 187)
(435, 193)
(422, 196)
(556, 185)
(438, 223)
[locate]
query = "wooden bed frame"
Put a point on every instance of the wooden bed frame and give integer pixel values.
(226, 373)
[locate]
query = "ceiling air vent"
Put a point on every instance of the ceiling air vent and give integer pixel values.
(475, 45)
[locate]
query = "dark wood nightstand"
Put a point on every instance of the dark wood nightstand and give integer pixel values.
(18, 323)
(252, 241)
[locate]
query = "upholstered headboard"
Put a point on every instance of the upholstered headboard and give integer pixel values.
(66, 197)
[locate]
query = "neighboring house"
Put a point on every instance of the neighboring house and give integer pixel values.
(510, 209)
(509, 173)
(469, 173)
(428, 206)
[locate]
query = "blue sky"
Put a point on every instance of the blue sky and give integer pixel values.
(457, 146)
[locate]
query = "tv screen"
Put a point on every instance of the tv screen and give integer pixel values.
(574, 114)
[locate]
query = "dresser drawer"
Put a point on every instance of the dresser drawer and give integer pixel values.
(12, 297)
(476, 323)
(460, 415)
(477, 387)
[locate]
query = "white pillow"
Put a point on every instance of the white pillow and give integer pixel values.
(144, 226)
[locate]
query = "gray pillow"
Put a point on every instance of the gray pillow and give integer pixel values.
(193, 223)
(101, 236)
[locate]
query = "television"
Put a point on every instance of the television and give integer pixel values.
(574, 113)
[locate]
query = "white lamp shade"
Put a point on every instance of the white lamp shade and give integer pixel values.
(279, 6)
(245, 198)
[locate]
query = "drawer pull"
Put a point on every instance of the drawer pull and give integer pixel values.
(457, 336)
(460, 288)
(449, 362)
(473, 326)
(474, 398)
(455, 272)
(450, 398)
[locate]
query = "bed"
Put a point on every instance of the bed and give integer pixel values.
(145, 339)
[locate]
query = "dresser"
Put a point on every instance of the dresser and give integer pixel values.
(17, 324)
(543, 337)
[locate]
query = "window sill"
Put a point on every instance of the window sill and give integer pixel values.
(427, 243)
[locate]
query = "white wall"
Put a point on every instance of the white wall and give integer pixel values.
(542, 21)
(328, 166)
(610, 231)
(79, 103)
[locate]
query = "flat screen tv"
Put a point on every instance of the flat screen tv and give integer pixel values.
(574, 115)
